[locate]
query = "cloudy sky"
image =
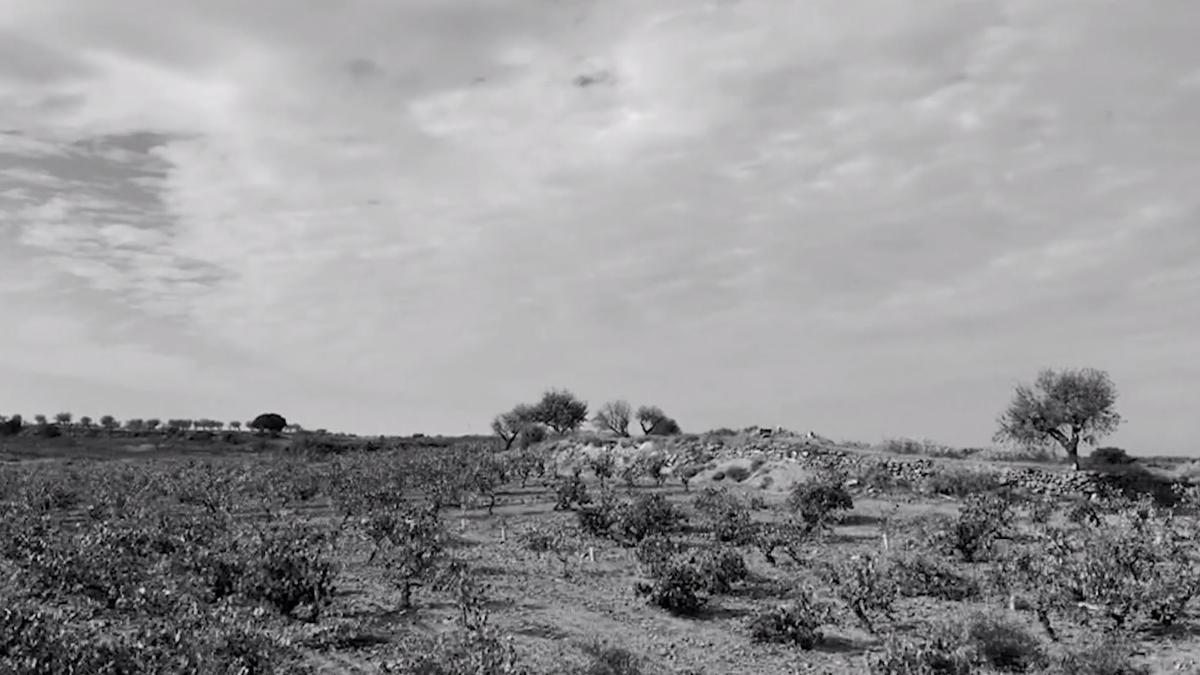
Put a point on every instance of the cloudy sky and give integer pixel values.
(868, 218)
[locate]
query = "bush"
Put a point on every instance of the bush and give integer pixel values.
(980, 521)
(958, 482)
(290, 569)
(656, 552)
(867, 589)
(905, 656)
(720, 568)
(726, 515)
(1102, 657)
(676, 588)
(919, 575)
(571, 491)
(817, 503)
(798, 622)
(646, 515)
(606, 659)
(1111, 455)
(1003, 644)
(737, 473)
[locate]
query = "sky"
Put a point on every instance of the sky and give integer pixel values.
(867, 218)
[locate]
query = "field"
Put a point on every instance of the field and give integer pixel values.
(591, 556)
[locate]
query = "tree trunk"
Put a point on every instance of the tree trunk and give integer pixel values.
(1073, 452)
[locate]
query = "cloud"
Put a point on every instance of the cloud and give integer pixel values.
(473, 192)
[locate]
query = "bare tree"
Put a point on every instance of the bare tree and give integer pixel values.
(614, 416)
(1066, 407)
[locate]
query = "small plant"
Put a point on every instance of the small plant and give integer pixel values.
(605, 659)
(797, 622)
(932, 656)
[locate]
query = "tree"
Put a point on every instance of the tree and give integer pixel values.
(1064, 407)
(12, 426)
(560, 410)
(654, 422)
(510, 425)
(272, 422)
(614, 416)
(236, 426)
(135, 425)
(85, 422)
(41, 420)
(109, 423)
(64, 418)
(648, 416)
(153, 423)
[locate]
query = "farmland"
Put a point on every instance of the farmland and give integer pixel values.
(698, 554)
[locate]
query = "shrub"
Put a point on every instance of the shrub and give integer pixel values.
(980, 521)
(959, 482)
(656, 552)
(817, 503)
(604, 659)
(571, 491)
(676, 588)
(726, 515)
(720, 568)
(797, 622)
(906, 656)
(1003, 644)
(919, 575)
(1101, 657)
(646, 515)
(864, 586)
(737, 473)
(1111, 455)
(290, 569)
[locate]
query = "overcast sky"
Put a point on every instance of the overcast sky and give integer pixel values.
(867, 218)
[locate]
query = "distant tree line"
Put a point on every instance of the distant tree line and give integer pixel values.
(273, 423)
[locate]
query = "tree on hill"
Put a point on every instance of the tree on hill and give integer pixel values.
(560, 410)
(270, 422)
(109, 423)
(85, 422)
(654, 422)
(235, 425)
(1063, 407)
(614, 416)
(41, 420)
(64, 418)
(510, 425)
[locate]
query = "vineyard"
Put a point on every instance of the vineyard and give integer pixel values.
(467, 559)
